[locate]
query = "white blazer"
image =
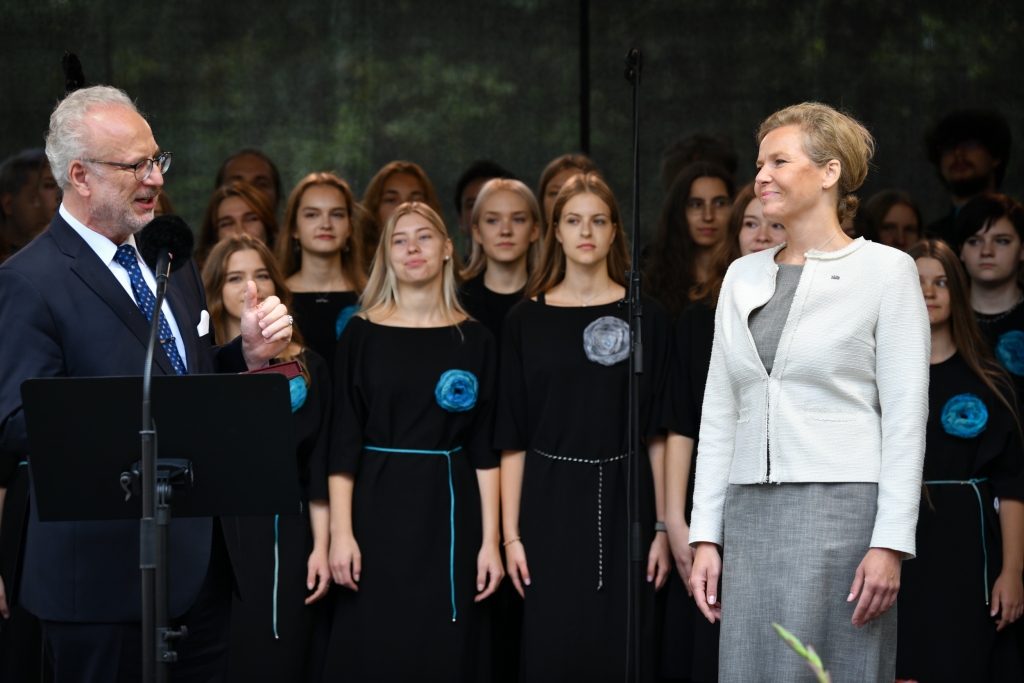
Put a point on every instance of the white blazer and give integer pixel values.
(847, 400)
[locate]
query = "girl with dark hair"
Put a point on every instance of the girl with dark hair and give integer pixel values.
(562, 428)
(973, 459)
(236, 208)
(413, 477)
(690, 649)
(322, 259)
(554, 176)
(395, 184)
(693, 220)
(284, 557)
(896, 218)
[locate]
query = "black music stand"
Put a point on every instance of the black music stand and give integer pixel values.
(226, 448)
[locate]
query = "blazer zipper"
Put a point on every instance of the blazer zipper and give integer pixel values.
(767, 438)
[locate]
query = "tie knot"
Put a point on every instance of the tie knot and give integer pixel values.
(126, 256)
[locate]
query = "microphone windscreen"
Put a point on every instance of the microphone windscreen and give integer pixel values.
(169, 233)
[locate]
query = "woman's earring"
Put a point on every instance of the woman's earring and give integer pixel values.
(296, 245)
(446, 258)
(348, 246)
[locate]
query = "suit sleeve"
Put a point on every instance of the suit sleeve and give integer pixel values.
(31, 347)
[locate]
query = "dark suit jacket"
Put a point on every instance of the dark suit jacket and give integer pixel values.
(64, 314)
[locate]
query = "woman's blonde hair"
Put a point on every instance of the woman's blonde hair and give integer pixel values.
(369, 225)
(289, 253)
(382, 288)
(215, 271)
(477, 258)
(551, 269)
(828, 135)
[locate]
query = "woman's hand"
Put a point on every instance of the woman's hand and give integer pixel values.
(1007, 598)
(515, 558)
(318, 574)
(682, 553)
(707, 568)
(346, 561)
(879, 577)
(489, 571)
(659, 562)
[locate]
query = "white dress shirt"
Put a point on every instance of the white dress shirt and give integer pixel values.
(106, 250)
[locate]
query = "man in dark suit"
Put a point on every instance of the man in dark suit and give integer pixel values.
(75, 303)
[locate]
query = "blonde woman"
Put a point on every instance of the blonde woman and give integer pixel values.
(284, 565)
(818, 385)
(506, 228)
(413, 478)
(322, 259)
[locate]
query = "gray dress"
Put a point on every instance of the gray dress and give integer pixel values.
(790, 555)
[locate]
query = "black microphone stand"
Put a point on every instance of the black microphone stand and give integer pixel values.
(157, 636)
(634, 63)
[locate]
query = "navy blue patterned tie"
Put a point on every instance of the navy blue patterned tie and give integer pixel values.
(146, 300)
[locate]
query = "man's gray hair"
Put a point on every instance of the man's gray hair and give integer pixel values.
(67, 138)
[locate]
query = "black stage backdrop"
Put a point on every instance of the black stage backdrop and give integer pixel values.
(351, 84)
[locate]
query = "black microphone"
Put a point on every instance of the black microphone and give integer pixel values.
(166, 240)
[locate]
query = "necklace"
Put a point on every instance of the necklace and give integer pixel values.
(321, 298)
(585, 303)
(827, 241)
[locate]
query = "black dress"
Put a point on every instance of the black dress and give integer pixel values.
(489, 308)
(944, 631)
(274, 635)
(690, 642)
(570, 415)
(414, 616)
(317, 315)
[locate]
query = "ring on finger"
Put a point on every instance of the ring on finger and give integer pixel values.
(291, 321)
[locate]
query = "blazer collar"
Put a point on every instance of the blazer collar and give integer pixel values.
(97, 276)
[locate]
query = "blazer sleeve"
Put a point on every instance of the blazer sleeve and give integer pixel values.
(717, 438)
(902, 357)
(31, 347)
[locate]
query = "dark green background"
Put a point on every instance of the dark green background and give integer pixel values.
(349, 85)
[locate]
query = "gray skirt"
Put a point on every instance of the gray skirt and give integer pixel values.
(790, 555)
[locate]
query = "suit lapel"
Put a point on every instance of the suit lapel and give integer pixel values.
(97, 276)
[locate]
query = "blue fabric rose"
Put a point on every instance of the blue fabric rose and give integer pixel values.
(1010, 352)
(298, 391)
(456, 391)
(343, 317)
(606, 340)
(965, 416)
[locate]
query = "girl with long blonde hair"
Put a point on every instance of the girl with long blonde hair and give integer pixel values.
(413, 478)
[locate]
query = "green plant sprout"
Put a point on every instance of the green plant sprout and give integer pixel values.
(808, 653)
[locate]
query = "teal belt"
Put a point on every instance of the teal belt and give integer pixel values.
(973, 483)
(451, 513)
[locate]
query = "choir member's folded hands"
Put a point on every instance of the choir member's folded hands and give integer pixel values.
(489, 571)
(659, 561)
(266, 328)
(515, 560)
(346, 561)
(1007, 598)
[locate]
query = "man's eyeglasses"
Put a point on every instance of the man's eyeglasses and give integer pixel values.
(142, 169)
